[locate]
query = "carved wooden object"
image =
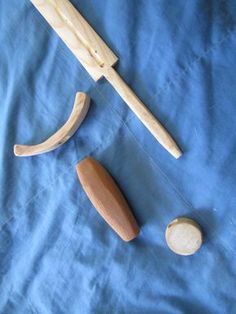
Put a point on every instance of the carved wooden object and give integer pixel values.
(107, 198)
(80, 109)
(98, 59)
(184, 236)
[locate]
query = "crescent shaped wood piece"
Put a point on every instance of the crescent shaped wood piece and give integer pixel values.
(107, 198)
(80, 109)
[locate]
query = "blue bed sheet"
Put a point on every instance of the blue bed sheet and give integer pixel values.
(57, 255)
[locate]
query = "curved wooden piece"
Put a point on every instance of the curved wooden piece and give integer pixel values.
(80, 109)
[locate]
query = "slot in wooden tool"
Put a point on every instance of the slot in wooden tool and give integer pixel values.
(107, 198)
(98, 59)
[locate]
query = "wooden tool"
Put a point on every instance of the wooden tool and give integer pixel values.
(107, 198)
(98, 59)
(184, 236)
(80, 109)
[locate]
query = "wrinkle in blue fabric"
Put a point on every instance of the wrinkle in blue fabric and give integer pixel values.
(57, 255)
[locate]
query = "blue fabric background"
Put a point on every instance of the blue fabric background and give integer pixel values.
(57, 255)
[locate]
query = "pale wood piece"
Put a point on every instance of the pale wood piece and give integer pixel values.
(106, 197)
(77, 34)
(97, 59)
(80, 109)
(184, 236)
(144, 115)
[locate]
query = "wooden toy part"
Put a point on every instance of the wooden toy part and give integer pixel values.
(80, 109)
(97, 58)
(184, 236)
(106, 197)
(77, 34)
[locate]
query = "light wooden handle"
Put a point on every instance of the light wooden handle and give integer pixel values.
(107, 198)
(144, 115)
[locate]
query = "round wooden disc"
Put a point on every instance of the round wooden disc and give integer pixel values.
(184, 236)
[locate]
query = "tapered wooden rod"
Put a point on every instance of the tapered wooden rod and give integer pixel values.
(144, 115)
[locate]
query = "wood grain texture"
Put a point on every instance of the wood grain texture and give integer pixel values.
(141, 111)
(184, 236)
(77, 34)
(107, 198)
(80, 109)
(98, 59)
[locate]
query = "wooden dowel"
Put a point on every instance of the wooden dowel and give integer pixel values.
(141, 111)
